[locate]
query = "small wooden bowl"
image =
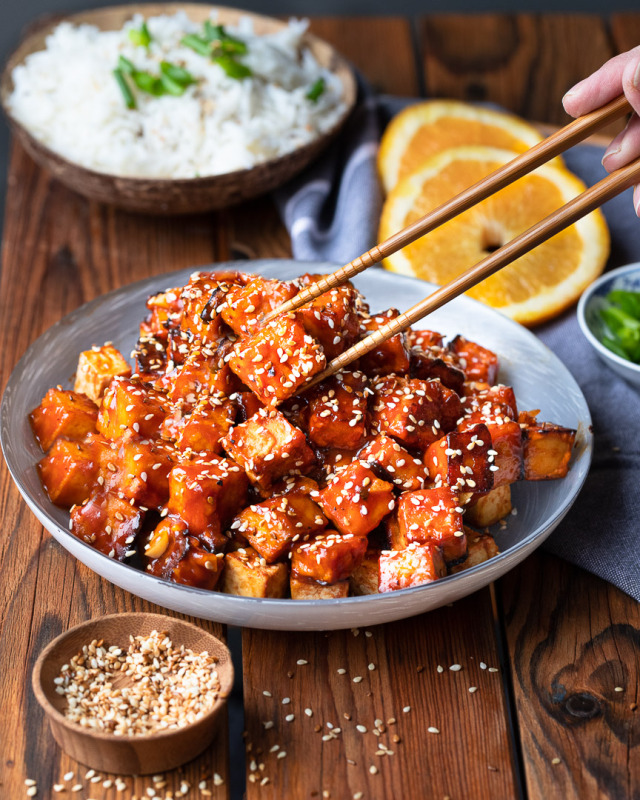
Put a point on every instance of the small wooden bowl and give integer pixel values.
(129, 755)
(169, 195)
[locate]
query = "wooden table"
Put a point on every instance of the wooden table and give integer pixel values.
(545, 721)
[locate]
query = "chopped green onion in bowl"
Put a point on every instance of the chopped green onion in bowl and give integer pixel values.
(620, 312)
(316, 90)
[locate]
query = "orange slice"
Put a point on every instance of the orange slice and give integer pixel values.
(425, 129)
(538, 285)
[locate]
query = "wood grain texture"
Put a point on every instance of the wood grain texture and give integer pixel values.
(58, 252)
(470, 756)
(380, 47)
(524, 63)
(573, 640)
(625, 31)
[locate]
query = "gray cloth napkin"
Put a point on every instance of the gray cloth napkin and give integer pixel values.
(332, 212)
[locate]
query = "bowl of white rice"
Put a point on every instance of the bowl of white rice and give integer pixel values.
(175, 108)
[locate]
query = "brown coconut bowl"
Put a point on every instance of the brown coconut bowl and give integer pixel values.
(130, 755)
(167, 195)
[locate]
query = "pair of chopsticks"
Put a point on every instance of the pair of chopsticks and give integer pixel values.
(592, 198)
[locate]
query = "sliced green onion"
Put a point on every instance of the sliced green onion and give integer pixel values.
(140, 37)
(197, 43)
(127, 94)
(148, 83)
(126, 66)
(176, 73)
(233, 68)
(316, 90)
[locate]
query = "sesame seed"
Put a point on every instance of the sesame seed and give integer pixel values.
(361, 728)
(439, 668)
(32, 791)
(371, 667)
(373, 769)
(290, 717)
(431, 729)
(473, 689)
(406, 709)
(455, 668)
(266, 693)
(301, 662)
(357, 679)
(308, 712)
(68, 775)
(555, 761)
(618, 689)
(493, 669)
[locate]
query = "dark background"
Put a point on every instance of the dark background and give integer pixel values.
(15, 15)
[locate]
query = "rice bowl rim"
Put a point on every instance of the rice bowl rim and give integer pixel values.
(113, 18)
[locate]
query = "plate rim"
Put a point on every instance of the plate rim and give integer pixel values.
(263, 266)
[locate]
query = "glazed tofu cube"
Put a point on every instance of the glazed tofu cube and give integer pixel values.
(398, 465)
(433, 364)
(481, 547)
(247, 305)
(478, 363)
(461, 460)
(70, 470)
(547, 451)
(424, 339)
(202, 297)
(129, 405)
(507, 453)
(489, 508)
(108, 523)
(272, 526)
(389, 357)
(203, 429)
(338, 411)
(356, 500)
(328, 557)
(206, 494)
(365, 577)
(202, 374)
(97, 368)
(165, 310)
(432, 515)
(410, 410)
(490, 401)
(246, 574)
(63, 413)
(268, 447)
(418, 564)
(171, 553)
(332, 319)
(144, 470)
(305, 589)
(278, 359)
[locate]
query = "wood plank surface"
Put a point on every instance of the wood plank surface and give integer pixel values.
(474, 740)
(522, 62)
(573, 642)
(58, 252)
(433, 737)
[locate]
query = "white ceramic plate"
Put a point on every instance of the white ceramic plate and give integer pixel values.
(539, 379)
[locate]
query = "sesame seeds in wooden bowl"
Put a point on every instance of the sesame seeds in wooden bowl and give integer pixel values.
(180, 671)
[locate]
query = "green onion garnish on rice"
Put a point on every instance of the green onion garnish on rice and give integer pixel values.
(173, 80)
(221, 48)
(127, 94)
(316, 90)
(140, 37)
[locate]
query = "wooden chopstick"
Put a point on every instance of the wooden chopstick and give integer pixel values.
(522, 164)
(569, 213)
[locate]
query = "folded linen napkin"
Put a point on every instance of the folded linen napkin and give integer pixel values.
(332, 211)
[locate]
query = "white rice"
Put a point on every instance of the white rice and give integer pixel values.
(68, 98)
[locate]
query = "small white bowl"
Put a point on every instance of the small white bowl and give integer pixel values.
(592, 325)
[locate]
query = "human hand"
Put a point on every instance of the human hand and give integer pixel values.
(619, 75)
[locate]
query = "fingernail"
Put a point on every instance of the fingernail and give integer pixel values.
(636, 77)
(610, 153)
